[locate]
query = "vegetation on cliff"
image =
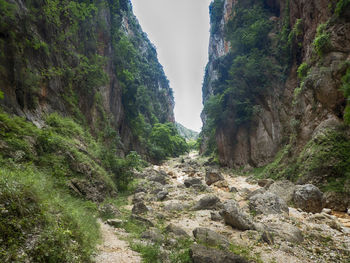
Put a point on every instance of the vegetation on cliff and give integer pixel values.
(78, 61)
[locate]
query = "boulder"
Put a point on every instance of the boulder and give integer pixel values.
(267, 203)
(284, 189)
(139, 208)
(337, 201)
(308, 198)
(192, 181)
(162, 195)
(265, 182)
(236, 218)
(143, 220)
(233, 189)
(174, 205)
(210, 237)
(215, 216)
(153, 234)
(138, 197)
(203, 254)
(286, 231)
(209, 201)
(177, 231)
(212, 176)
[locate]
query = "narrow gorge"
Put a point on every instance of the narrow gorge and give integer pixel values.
(95, 168)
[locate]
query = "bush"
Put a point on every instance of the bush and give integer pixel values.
(59, 228)
(341, 6)
(303, 69)
(165, 141)
(322, 41)
(216, 10)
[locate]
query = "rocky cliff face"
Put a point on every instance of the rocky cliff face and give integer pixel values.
(300, 108)
(87, 59)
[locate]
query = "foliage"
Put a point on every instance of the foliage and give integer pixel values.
(244, 73)
(63, 229)
(322, 41)
(216, 10)
(341, 7)
(150, 253)
(166, 142)
(36, 167)
(346, 90)
(303, 70)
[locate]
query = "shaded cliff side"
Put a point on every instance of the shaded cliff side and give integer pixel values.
(276, 87)
(86, 59)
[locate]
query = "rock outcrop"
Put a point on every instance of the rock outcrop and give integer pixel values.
(91, 61)
(297, 112)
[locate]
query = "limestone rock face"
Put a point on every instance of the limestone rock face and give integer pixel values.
(293, 111)
(79, 80)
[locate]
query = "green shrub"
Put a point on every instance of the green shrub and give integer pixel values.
(216, 10)
(303, 70)
(341, 7)
(165, 141)
(60, 228)
(346, 90)
(322, 41)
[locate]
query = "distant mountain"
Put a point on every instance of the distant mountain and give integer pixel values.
(186, 133)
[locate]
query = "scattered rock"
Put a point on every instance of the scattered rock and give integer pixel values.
(109, 209)
(255, 192)
(115, 222)
(209, 201)
(138, 197)
(159, 178)
(265, 182)
(192, 181)
(177, 231)
(308, 198)
(286, 231)
(221, 184)
(139, 208)
(267, 237)
(233, 189)
(327, 211)
(174, 206)
(140, 189)
(203, 254)
(162, 195)
(267, 203)
(215, 216)
(234, 217)
(143, 220)
(200, 187)
(337, 201)
(212, 176)
(153, 234)
(210, 237)
(284, 189)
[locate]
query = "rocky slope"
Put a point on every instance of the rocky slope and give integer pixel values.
(285, 99)
(86, 59)
(187, 211)
(188, 134)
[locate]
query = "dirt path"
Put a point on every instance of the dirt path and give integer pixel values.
(114, 250)
(325, 239)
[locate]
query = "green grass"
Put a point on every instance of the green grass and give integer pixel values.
(62, 228)
(150, 253)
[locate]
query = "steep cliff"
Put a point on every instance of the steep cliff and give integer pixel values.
(87, 59)
(275, 89)
(81, 90)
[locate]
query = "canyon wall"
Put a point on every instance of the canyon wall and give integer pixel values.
(86, 59)
(281, 93)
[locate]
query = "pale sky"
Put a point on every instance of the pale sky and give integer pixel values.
(180, 31)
